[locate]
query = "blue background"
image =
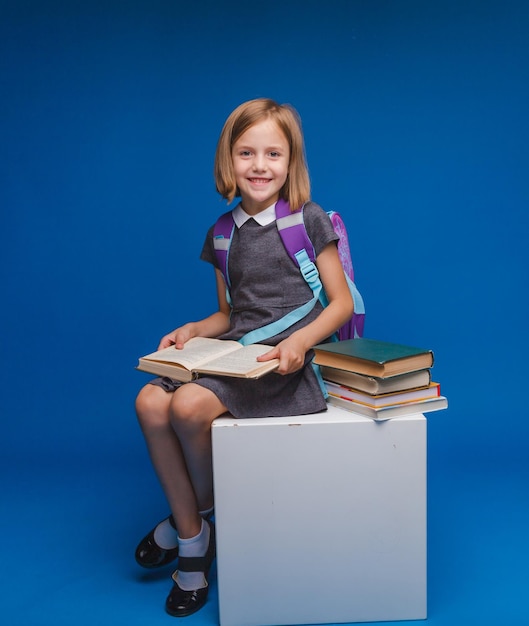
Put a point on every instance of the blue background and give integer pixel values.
(416, 126)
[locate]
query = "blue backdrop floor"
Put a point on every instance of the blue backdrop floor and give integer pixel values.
(70, 530)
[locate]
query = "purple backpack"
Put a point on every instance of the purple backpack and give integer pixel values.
(300, 249)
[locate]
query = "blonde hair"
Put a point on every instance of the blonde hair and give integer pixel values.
(296, 190)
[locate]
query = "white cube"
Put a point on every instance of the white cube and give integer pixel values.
(320, 519)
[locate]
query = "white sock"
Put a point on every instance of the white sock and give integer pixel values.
(206, 513)
(165, 535)
(194, 546)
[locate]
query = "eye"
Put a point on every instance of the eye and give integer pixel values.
(274, 154)
(245, 153)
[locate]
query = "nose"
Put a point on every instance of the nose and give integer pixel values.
(259, 163)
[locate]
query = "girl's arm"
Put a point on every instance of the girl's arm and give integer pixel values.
(211, 326)
(291, 351)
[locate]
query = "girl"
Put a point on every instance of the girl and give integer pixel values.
(259, 158)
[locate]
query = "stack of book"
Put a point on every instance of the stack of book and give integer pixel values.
(378, 379)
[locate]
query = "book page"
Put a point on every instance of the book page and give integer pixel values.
(241, 362)
(195, 352)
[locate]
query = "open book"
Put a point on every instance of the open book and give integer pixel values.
(203, 355)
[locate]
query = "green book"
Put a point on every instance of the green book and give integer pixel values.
(372, 357)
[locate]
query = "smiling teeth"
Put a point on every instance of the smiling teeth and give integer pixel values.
(259, 180)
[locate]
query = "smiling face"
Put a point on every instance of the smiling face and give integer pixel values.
(260, 163)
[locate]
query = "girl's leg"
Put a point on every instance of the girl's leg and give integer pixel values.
(153, 410)
(192, 411)
(177, 430)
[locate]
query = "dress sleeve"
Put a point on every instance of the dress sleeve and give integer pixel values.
(208, 252)
(319, 226)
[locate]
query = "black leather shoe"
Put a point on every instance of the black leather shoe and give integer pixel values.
(150, 555)
(182, 603)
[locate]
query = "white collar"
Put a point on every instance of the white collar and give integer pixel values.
(263, 218)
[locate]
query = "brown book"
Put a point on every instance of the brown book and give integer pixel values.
(207, 356)
(388, 412)
(385, 399)
(372, 357)
(374, 385)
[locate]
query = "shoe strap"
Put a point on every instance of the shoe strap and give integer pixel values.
(194, 563)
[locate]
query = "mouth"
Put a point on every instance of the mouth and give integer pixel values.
(259, 181)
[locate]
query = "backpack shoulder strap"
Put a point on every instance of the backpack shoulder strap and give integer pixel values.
(297, 243)
(292, 231)
(222, 236)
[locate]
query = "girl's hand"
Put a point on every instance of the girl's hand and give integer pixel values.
(291, 355)
(178, 337)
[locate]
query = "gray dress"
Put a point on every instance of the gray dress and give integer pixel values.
(266, 285)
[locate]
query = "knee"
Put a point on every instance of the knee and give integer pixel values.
(187, 412)
(152, 408)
